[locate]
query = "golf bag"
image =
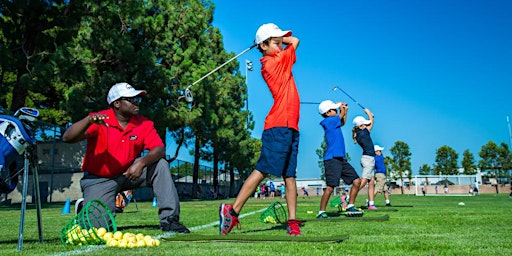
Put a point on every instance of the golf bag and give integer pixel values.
(16, 137)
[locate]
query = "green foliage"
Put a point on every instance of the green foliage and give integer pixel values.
(446, 161)
(425, 170)
(400, 164)
(468, 163)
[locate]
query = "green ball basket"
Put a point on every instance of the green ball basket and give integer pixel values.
(83, 228)
(335, 202)
(274, 214)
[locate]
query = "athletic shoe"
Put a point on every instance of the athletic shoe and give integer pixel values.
(227, 220)
(79, 204)
(353, 212)
(323, 215)
(372, 207)
(388, 204)
(294, 227)
(171, 223)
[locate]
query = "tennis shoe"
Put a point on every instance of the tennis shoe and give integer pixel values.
(227, 220)
(79, 204)
(388, 204)
(171, 223)
(353, 212)
(323, 215)
(372, 207)
(294, 227)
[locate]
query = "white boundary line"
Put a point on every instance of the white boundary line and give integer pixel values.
(93, 248)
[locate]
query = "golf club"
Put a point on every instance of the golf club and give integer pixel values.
(307, 102)
(354, 100)
(188, 94)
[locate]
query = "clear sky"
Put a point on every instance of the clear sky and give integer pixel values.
(433, 72)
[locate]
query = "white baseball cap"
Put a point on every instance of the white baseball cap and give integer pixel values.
(122, 90)
(326, 105)
(269, 30)
(359, 120)
(377, 147)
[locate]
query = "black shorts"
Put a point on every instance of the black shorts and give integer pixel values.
(339, 168)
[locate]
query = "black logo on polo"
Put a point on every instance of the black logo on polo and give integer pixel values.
(133, 137)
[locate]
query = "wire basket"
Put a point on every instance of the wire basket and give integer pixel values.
(335, 202)
(274, 214)
(89, 225)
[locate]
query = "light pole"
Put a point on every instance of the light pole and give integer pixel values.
(248, 67)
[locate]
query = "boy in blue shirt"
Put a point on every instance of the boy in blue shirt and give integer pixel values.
(335, 162)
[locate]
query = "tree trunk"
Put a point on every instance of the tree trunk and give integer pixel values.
(195, 176)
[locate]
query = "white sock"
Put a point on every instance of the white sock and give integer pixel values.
(320, 212)
(350, 205)
(387, 201)
(372, 203)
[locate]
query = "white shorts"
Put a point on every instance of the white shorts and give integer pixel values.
(368, 164)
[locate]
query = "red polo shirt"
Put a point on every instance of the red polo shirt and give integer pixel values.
(112, 149)
(277, 72)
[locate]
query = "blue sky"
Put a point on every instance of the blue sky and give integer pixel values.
(433, 72)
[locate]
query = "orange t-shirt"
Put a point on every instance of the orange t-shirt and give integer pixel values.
(277, 73)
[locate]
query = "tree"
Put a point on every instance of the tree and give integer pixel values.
(468, 163)
(446, 161)
(34, 35)
(495, 159)
(400, 165)
(425, 170)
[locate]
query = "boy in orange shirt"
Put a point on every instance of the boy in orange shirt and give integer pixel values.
(280, 138)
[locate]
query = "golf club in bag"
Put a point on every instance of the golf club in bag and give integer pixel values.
(17, 139)
(189, 98)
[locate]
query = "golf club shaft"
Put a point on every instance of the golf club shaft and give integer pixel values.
(354, 100)
(308, 102)
(219, 67)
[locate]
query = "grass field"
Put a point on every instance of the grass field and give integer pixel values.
(432, 226)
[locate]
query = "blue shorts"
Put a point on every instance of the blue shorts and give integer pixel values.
(278, 157)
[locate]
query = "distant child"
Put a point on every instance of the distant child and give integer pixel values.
(272, 189)
(335, 162)
(283, 190)
(381, 185)
(361, 136)
(280, 138)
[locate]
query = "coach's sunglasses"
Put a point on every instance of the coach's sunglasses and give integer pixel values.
(134, 100)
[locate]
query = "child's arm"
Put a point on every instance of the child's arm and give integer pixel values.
(343, 112)
(370, 117)
(291, 40)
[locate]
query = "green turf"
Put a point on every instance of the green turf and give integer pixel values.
(433, 226)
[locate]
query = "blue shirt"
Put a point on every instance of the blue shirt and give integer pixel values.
(333, 137)
(365, 141)
(380, 167)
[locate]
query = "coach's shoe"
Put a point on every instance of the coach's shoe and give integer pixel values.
(372, 207)
(171, 223)
(228, 219)
(79, 204)
(388, 204)
(294, 227)
(323, 215)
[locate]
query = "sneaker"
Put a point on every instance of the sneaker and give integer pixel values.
(323, 215)
(79, 204)
(353, 212)
(227, 220)
(388, 204)
(119, 210)
(171, 223)
(372, 207)
(294, 227)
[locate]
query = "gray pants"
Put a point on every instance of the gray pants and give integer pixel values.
(156, 176)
